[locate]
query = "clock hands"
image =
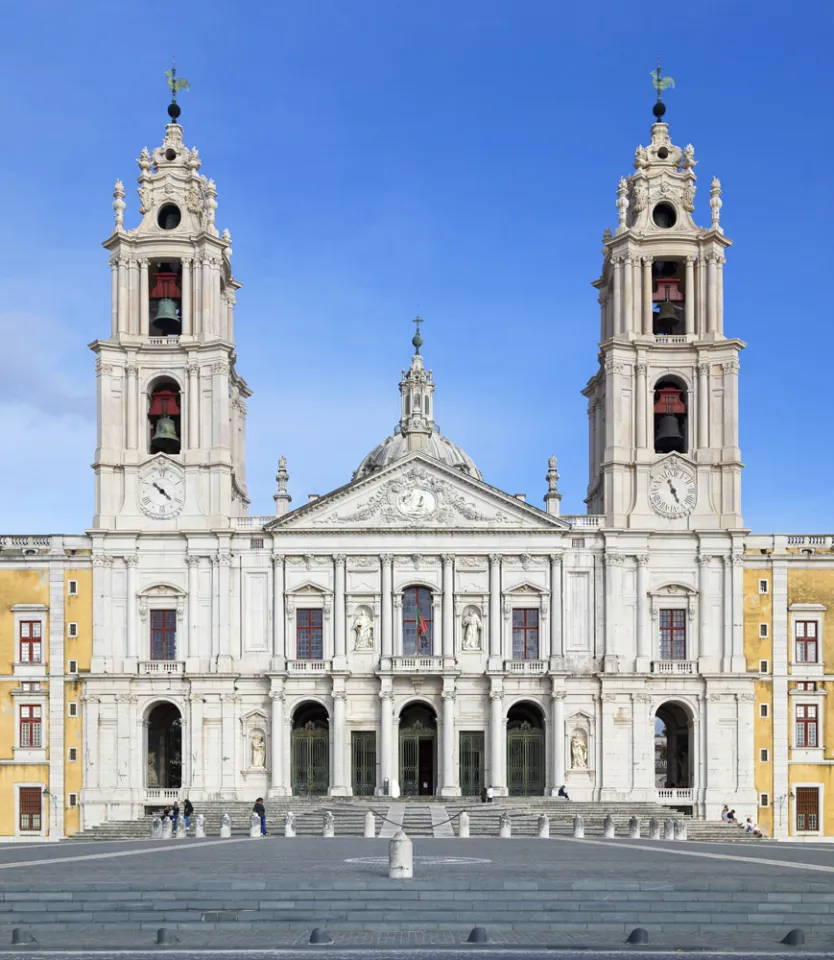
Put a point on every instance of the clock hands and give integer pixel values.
(165, 492)
(674, 491)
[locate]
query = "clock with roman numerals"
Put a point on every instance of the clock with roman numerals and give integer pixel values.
(162, 491)
(673, 489)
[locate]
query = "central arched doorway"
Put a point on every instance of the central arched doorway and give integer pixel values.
(525, 751)
(164, 761)
(310, 750)
(672, 753)
(418, 750)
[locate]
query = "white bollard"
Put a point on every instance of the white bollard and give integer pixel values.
(254, 825)
(608, 827)
(505, 826)
(289, 824)
(668, 829)
(328, 825)
(544, 827)
(579, 827)
(370, 825)
(167, 829)
(463, 825)
(156, 829)
(634, 828)
(400, 857)
(225, 826)
(654, 829)
(200, 827)
(680, 830)
(182, 831)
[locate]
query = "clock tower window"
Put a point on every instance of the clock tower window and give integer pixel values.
(165, 298)
(668, 296)
(164, 417)
(671, 420)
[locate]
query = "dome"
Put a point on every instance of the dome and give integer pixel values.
(437, 447)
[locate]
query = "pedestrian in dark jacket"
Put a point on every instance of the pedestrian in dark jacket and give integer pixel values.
(260, 809)
(175, 813)
(187, 812)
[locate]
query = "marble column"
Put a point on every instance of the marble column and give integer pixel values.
(727, 637)
(193, 407)
(641, 370)
(224, 563)
(496, 736)
(637, 283)
(185, 304)
(450, 787)
(744, 727)
(386, 737)
(339, 636)
(196, 751)
(132, 388)
(618, 294)
(612, 561)
(133, 295)
(712, 293)
(448, 638)
(144, 299)
(719, 294)
(703, 404)
(114, 297)
(739, 663)
(628, 295)
(276, 743)
(648, 317)
(387, 645)
(730, 369)
(338, 787)
(557, 773)
(279, 652)
(190, 647)
(705, 642)
(602, 300)
(206, 317)
(556, 647)
(689, 293)
(644, 638)
(220, 398)
(124, 299)
(131, 562)
(495, 606)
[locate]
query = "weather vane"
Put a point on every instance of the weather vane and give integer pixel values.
(175, 86)
(660, 83)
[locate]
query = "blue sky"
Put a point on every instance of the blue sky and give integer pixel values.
(371, 156)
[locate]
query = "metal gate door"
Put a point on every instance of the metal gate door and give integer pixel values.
(310, 761)
(363, 757)
(525, 761)
(471, 763)
(409, 765)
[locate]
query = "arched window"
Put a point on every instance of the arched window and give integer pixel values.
(164, 417)
(671, 416)
(417, 622)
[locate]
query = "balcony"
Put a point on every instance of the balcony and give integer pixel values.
(417, 664)
(679, 795)
(158, 668)
(529, 668)
(582, 519)
(673, 666)
(670, 338)
(162, 794)
(307, 666)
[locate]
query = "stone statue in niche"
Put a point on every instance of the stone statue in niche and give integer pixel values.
(578, 753)
(472, 630)
(258, 750)
(363, 631)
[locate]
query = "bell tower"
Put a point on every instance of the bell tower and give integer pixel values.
(171, 407)
(663, 406)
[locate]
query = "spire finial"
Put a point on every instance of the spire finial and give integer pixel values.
(660, 83)
(175, 86)
(417, 340)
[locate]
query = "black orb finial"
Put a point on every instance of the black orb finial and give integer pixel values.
(660, 83)
(175, 86)
(174, 111)
(417, 340)
(659, 109)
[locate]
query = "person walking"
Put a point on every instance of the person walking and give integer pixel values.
(187, 812)
(175, 813)
(490, 794)
(260, 809)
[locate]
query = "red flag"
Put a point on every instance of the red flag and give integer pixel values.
(422, 626)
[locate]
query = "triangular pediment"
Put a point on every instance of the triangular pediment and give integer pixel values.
(418, 493)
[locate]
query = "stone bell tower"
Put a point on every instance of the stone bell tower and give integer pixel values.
(170, 452)
(663, 406)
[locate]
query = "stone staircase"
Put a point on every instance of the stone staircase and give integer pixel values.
(424, 818)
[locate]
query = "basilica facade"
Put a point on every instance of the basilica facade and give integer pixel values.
(417, 631)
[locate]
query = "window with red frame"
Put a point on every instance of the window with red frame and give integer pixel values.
(525, 634)
(309, 644)
(30, 725)
(163, 634)
(417, 622)
(806, 725)
(30, 641)
(807, 808)
(31, 799)
(805, 632)
(673, 634)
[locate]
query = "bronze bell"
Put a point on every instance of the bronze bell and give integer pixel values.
(666, 319)
(165, 437)
(668, 436)
(166, 319)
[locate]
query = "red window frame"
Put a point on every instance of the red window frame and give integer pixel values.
(417, 600)
(309, 634)
(806, 641)
(807, 730)
(807, 809)
(31, 641)
(163, 634)
(525, 633)
(31, 726)
(30, 815)
(673, 634)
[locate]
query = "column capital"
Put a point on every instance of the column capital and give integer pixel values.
(704, 559)
(131, 560)
(277, 559)
(143, 262)
(703, 369)
(556, 559)
(496, 559)
(691, 261)
(386, 559)
(558, 695)
(193, 369)
(738, 560)
(340, 695)
(730, 366)
(642, 559)
(448, 559)
(449, 695)
(613, 559)
(193, 559)
(648, 260)
(387, 696)
(339, 559)
(641, 369)
(186, 261)
(496, 695)
(132, 371)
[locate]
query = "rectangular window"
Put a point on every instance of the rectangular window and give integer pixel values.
(764, 710)
(72, 588)
(673, 634)
(764, 755)
(163, 634)
(807, 808)
(72, 800)
(806, 725)
(72, 709)
(418, 629)
(256, 543)
(764, 800)
(72, 630)
(763, 632)
(805, 632)
(577, 542)
(763, 586)
(72, 666)
(73, 754)
(764, 666)
(809, 686)
(30, 641)
(309, 643)
(30, 809)
(525, 634)
(30, 726)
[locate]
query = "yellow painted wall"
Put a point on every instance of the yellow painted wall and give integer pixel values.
(19, 586)
(79, 609)
(10, 776)
(758, 609)
(763, 739)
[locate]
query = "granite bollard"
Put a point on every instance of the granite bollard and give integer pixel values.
(289, 824)
(200, 827)
(680, 829)
(669, 829)
(167, 829)
(463, 825)
(505, 826)
(156, 829)
(181, 831)
(578, 827)
(328, 825)
(654, 829)
(544, 827)
(400, 857)
(225, 826)
(254, 825)
(370, 825)
(634, 828)
(608, 830)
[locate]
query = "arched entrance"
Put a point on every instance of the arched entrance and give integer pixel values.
(310, 750)
(164, 760)
(525, 751)
(418, 750)
(672, 754)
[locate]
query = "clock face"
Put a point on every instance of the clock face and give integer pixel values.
(417, 503)
(672, 491)
(162, 491)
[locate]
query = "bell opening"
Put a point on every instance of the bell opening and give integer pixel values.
(169, 216)
(165, 299)
(671, 409)
(668, 296)
(164, 418)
